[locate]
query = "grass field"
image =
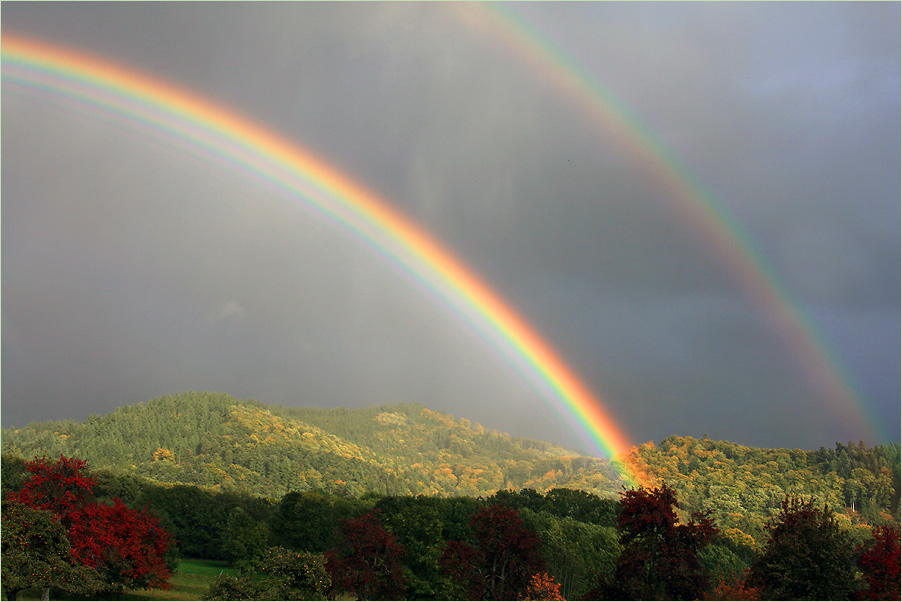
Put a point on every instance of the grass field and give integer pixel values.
(188, 583)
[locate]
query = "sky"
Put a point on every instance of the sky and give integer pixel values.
(133, 267)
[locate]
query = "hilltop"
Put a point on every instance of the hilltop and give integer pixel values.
(224, 444)
(219, 442)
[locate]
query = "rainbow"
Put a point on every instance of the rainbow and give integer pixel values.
(692, 203)
(319, 187)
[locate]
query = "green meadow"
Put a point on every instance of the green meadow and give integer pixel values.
(189, 582)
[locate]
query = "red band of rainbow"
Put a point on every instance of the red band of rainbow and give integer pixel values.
(65, 73)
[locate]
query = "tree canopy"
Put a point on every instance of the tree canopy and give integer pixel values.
(659, 557)
(807, 556)
(125, 547)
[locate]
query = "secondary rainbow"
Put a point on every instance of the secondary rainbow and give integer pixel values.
(692, 203)
(150, 103)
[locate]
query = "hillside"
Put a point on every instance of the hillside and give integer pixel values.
(744, 485)
(225, 444)
(262, 472)
(217, 441)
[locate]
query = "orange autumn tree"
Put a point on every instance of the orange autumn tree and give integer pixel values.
(542, 586)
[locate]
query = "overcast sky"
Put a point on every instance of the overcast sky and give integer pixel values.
(134, 268)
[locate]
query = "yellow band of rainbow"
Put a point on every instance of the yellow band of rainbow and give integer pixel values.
(66, 73)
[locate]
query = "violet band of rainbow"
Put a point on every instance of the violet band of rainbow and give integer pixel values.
(689, 201)
(169, 110)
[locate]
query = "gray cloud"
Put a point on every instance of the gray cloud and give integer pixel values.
(134, 267)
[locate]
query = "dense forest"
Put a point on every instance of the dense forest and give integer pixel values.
(216, 441)
(261, 487)
(223, 444)
(744, 486)
(563, 544)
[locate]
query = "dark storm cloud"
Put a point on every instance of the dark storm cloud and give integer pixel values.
(134, 268)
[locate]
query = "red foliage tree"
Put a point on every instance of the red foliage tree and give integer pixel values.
(59, 487)
(506, 556)
(880, 565)
(126, 546)
(367, 559)
(460, 561)
(659, 560)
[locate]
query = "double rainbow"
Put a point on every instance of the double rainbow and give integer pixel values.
(147, 102)
(689, 201)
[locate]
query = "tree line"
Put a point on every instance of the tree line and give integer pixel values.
(744, 486)
(236, 447)
(217, 441)
(67, 527)
(224, 444)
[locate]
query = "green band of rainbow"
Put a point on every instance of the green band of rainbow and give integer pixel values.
(689, 201)
(64, 73)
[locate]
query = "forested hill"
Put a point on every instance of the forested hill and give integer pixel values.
(217, 441)
(743, 486)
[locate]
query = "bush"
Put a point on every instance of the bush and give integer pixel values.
(294, 575)
(225, 587)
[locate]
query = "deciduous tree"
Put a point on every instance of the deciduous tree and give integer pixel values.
(293, 575)
(310, 520)
(880, 565)
(36, 553)
(576, 553)
(59, 487)
(732, 588)
(417, 525)
(542, 586)
(226, 587)
(367, 559)
(807, 556)
(126, 547)
(243, 540)
(659, 557)
(12, 473)
(504, 559)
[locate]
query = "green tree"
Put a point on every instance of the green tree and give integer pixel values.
(36, 553)
(525, 498)
(722, 561)
(582, 506)
(576, 553)
(12, 472)
(244, 540)
(126, 487)
(195, 518)
(806, 557)
(417, 525)
(291, 575)
(310, 520)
